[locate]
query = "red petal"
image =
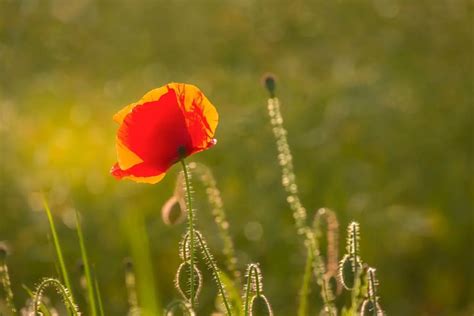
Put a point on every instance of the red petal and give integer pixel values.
(155, 131)
(140, 173)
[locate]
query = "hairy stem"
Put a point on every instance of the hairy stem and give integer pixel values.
(247, 295)
(187, 181)
(254, 286)
(218, 212)
(61, 289)
(214, 270)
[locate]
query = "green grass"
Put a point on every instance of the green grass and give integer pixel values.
(376, 98)
(57, 246)
(359, 280)
(91, 284)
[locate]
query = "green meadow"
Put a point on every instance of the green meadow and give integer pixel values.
(372, 142)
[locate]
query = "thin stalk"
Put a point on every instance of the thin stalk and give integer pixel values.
(99, 296)
(60, 289)
(247, 294)
(187, 182)
(87, 271)
(355, 293)
(57, 246)
(257, 282)
(147, 293)
(43, 308)
(254, 279)
(220, 218)
(215, 271)
(288, 180)
(304, 291)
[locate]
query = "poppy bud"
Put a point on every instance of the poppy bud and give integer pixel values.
(270, 83)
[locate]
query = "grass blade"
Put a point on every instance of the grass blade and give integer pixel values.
(99, 296)
(57, 246)
(134, 226)
(85, 260)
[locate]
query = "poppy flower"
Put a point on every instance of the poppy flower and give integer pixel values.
(167, 124)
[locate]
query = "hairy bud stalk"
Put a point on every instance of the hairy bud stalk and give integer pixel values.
(371, 306)
(205, 175)
(254, 299)
(60, 289)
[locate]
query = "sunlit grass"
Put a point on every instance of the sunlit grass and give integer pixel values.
(376, 100)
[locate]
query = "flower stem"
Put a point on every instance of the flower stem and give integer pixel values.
(187, 181)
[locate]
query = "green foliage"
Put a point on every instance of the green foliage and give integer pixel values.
(90, 284)
(147, 294)
(376, 96)
(57, 246)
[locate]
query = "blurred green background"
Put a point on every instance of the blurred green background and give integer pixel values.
(376, 96)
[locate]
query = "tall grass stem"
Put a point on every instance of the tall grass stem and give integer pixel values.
(87, 270)
(305, 286)
(134, 225)
(99, 295)
(57, 246)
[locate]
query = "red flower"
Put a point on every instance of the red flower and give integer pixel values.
(166, 125)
